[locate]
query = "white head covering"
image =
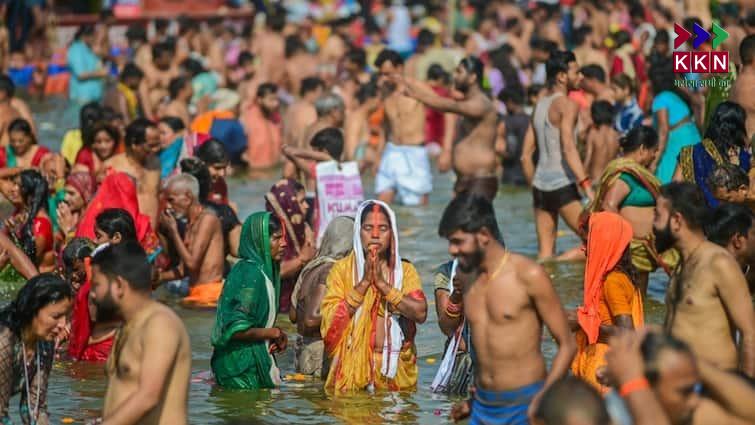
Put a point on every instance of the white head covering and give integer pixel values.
(394, 337)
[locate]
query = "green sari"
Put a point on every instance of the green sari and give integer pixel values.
(249, 300)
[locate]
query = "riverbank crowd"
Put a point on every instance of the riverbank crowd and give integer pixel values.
(575, 100)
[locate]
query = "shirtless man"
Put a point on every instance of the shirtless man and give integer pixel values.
(202, 249)
(405, 164)
(708, 299)
(553, 134)
(506, 307)
(585, 50)
(140, 161)
(180, 95)
(602, 140)
(595, 84)
(743, 90)
(473, 155)
(733, 227)
(302, 113)
(157, 76)
(300, 64)
(150, 366)
(7, 112)
(547, 23)
(270, 47)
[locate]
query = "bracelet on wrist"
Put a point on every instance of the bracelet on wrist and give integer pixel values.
(634, 385)
(585, 183)
(394, 297)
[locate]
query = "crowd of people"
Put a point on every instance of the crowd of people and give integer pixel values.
(577, 101)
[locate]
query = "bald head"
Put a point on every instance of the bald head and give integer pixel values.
(571, 401)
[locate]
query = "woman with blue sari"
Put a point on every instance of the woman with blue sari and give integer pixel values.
(725, 142)
(673, 119)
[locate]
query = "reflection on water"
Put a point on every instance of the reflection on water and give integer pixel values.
(76, 390)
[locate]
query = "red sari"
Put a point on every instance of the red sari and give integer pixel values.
(9, 160)
(81, 328)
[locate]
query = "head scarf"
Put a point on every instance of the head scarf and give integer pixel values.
(394, 337)
(83, 183)
(609, 236)
(336, 243)
(282, 201)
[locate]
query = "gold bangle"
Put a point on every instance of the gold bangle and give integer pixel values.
(353, 304)
(453, 315)
(394, 297)
(356, 296)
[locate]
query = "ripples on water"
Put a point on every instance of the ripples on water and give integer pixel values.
(77, 390)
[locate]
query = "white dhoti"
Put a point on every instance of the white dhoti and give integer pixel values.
(405, 170)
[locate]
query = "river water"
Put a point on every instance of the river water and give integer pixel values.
(76, 389)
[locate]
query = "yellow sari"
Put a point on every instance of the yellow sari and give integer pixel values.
(349, 341)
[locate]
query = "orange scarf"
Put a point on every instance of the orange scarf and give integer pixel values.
(610, 235)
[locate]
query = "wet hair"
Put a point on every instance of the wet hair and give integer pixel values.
(176, 124)
(620, 38)
(130, 70)
(623, 81)
(425, 38)
(727, 128)
(511, 95)
(266, 88)
(557, 63)
(602, 112)
(580, 34)
(328, 103)
(212, 152)
(276, 19)
(652, 347)
(474, 66)
(728, 177)
(128, 261)
(687, 200)
(593, 72)
(388, 55)
(96, 129)
(470, 213)
(162, 48)
(76, 250)
(193, 67)
(40, 291)
(116, 220)
(89, 114)
(23, 126)
(34, 192)
(176, 85)
(136, 33)
(640, 136)
(358, 56)
(367, 91)
(7, 86)
(136, 132)
(728, 220)
(747, 48)
(547, 46)
(310, 84)
(436, 73)
(293, 46)
(329, 140)
(199, 170)
(161, 24)
(84, 30)
(572, 397)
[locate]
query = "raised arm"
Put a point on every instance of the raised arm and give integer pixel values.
(160, 346)
(735, 294)
(528, 150)
(470, 108)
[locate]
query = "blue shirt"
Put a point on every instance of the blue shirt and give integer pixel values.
(81, 60)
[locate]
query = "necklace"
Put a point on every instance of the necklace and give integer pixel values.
(500, 266)
(26, 382)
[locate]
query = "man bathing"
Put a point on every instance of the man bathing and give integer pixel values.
(201, 249)
(505, 308)
(149, 368)
(473, 156)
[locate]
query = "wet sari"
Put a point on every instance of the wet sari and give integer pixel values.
(697, 162)
(81, 327)
(248, 300)
(282, 201)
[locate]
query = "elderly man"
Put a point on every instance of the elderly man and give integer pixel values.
(371, 307)
(201, 249)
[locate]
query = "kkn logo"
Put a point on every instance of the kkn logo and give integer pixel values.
(700, 62)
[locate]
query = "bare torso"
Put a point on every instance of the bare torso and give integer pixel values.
(474, 153)
(605, 146)
(406, 120)
(213, 261)
(124, 368)
(586, 55)
(696, 313)
(298, 68)
(177, 109)
(271, 50)
(298, 117)
(7, 115)
(506, 330)
(743, 92)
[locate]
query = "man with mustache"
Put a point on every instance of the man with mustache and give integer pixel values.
(505, 307)
(149, 367)
(201, 249)
(708, 298)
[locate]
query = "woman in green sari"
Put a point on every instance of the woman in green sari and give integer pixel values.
(244, 338)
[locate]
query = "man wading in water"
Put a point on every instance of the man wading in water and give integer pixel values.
(505, 308)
